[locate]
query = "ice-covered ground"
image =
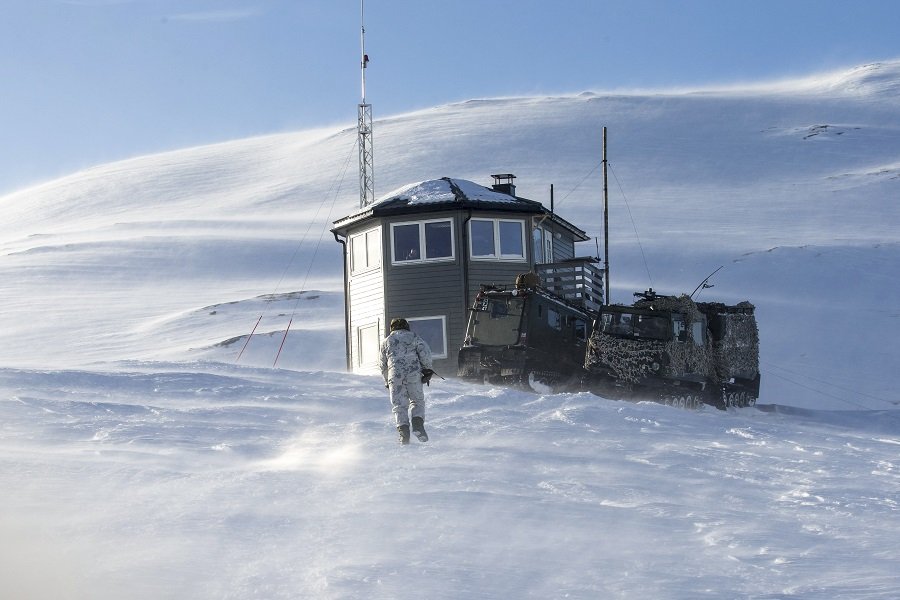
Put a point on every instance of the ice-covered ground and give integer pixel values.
(140, 459)
(209, 481)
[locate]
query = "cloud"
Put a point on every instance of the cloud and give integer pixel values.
(215, 16)
(223, 15)
(95, 2)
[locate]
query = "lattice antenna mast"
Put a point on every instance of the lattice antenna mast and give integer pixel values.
(364, 128)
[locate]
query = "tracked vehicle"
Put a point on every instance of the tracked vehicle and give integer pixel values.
(676, 351)
(525, 337)
(667, 349)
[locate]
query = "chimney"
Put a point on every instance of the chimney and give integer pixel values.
(503, 183)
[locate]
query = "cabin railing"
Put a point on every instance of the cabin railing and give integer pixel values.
(578, 280)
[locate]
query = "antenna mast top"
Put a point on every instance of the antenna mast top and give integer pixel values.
(364, 128)
(362, 44)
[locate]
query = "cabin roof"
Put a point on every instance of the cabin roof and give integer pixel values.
(449, 194)
(448, 190)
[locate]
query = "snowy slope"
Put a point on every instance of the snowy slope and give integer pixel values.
(700, 179)
(144, 461)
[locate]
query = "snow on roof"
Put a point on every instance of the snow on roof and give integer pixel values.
(441, 190)
(479, 193)
(451, 192)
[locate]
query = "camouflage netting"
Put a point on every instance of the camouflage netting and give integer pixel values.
(690, 358)
(737, 355)
(685, 357)
(727, 354)
(632, 360)
(629, 360)
(676, 304)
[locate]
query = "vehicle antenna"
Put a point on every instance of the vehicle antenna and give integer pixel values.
(703, 283)
(364, 129)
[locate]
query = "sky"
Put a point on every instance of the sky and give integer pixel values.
(86, 82)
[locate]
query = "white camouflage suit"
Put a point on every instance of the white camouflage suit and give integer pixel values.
(403, 356)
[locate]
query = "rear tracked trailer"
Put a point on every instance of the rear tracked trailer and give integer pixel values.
(673, 350)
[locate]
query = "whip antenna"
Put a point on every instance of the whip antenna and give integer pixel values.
(704, 284)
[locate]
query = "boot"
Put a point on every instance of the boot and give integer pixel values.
(403, 430)
(418, 427)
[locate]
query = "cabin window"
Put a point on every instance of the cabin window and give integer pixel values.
(422, 241)
(482, 238)
(365, 251)
(511, 239)
(542, 245)
(434, 331)
(538, 245)
(439, 239)
(497, 239)
(369, 345)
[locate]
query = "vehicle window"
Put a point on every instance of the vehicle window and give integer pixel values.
(498, 309)
(647, 326)
(635, 325)
(581, 330)
(496, 321)
(718, 327)
(617, 323)
(697, 329)
(554, 319)
(678, 330)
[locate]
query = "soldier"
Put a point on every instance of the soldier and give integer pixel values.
(405, 366)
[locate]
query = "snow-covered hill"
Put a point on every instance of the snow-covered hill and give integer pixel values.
(700, 179)
(146, 462)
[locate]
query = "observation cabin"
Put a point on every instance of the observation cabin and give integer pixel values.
(424, 251)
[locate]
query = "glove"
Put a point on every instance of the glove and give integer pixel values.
(426, 376)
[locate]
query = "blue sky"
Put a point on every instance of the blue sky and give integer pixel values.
(91, 81)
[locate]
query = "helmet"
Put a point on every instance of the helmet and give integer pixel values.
(399, 324)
